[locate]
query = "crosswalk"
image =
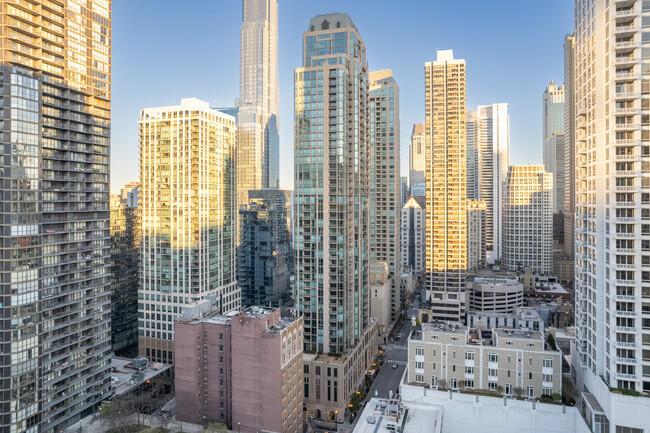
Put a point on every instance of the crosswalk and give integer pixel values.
(391, 361)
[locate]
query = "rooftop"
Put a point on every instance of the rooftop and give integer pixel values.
(332, 19)
(123, 371)
(392, 415)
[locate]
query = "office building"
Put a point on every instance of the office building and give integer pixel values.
(488, 158)
(505, 361)
(476, 234)
(612, 281)
(528, 219)
(385, 202)
(54, 223)
(417, 155)
(187, 200)
(499, 295)
(258, 106)
(264, 256)
(553, 132)
(124, 279)
(569, 147)
(244, 370)
(446, 189)
(413, 234)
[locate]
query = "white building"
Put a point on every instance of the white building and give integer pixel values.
(528, 219)
(522, 318)
(612, 285)
(417, 161)
(413, 233)
(501, 295)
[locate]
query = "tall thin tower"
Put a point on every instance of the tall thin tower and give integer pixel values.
(258, 146)
(332, 178)
(55, 80)
(446, 185)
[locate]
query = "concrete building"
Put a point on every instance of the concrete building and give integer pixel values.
(500, 295)
(569, 146)
(413, 234)
(446, 211)
(331, 379)
(258, 106)
(554, 143)
(488, 139)
(417, 155)
(385, 201)
(188, 230)
(380, 296)
(506, 361)
(264, 253)
(612, 284)
(391, 414)
(528, 219)
(54, 223)
(563, 267)
(521, 318)
(244, 369)
(124, 281)
(405, 190)
(476, 234)
(404, 292)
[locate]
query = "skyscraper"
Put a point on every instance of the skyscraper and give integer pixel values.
(528, 219)
(413, 235)
(446, 189)
(258, 145)
(612, 285)
(488, 158)
(188, 218)
(55, 79)
(332, 178)
(476, 248)
(417, 155)
(385, 200)
(553, 130)
(569, 146)
(332, 175)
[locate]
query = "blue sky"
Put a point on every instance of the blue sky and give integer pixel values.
(163, 52)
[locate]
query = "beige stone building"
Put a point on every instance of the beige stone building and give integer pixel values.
(380, 295)
(512, 362)
(476, 239)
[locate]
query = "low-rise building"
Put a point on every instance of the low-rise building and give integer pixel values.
(502, 295)
(512, 362)
(523, 318)
(391, 415)
(330, 380)
(244, 369)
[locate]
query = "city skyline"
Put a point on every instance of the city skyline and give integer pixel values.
(538, 51)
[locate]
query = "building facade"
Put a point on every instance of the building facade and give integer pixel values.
(569, 147)
(553, 133)
(331, 180)
(54, 222)
(612, 281)
(380, 296)
(510, 362)
(258, 106)
(528, 219)
(417, 155)
(244, 370)
(264, 253)
(385, 201)
(124, 280)
(446, 189)
(476, 234)
(188, 228)
(413, 234)
(499, 295)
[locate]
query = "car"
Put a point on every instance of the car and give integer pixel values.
(394, 365)
(399, 335)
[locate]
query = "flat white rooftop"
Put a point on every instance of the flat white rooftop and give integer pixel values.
(413, 418)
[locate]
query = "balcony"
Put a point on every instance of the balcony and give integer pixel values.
(627, 95)
(626, 29)
(627, 157)
(627, 75)
(625, 60)
(626, 127)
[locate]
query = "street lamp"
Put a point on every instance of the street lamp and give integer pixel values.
(238, 425)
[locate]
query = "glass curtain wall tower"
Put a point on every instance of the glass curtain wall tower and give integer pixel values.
(55, 81)
(331, 180)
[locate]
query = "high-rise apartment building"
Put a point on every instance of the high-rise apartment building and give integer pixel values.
(553, 144)
(258, 145)
(488, 158)
(385, 201)
(55, 80)
(446, 189)
(264, 253)
(332, 179)
(417, 155)
(612, 281)
(413, 234)
(528, 219)
(569, 146)
(552, 112)
(476, 245)
(124, 278)
(187, 202)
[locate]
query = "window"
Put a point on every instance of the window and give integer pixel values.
(306, 369)
(530, 375)
(454, 383)
(621, 429)
(434, 365)
(509, 359)
(469, 370)
(493, 357)
(508, 389)
(419, 365)
(530, 361)
(434, 352)
(492, 372)
(469, 384)
(469, 356)
(453, 354)
(547, 362)
(530, 392)
(434, 381)
(419, 378)
(419, 350)
(492, 386)
(547, 391)
(547, 378)
(453, 368)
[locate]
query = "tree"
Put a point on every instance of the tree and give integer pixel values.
(216, 427)
(551, 341)
(442, 384)
(518, 391)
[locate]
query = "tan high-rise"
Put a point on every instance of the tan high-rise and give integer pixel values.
(446, 185)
